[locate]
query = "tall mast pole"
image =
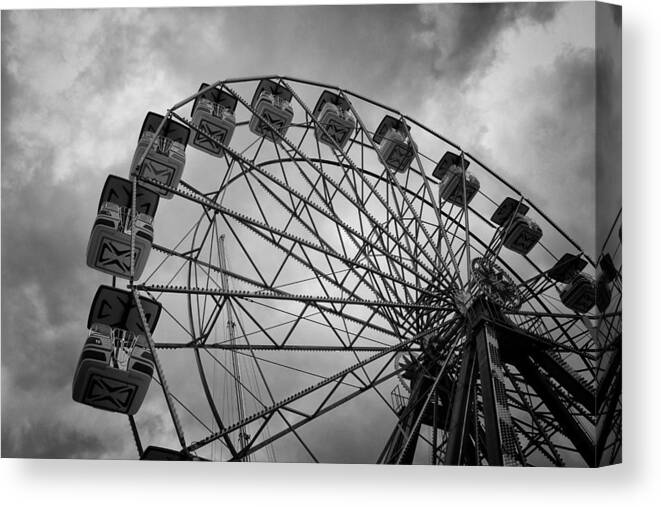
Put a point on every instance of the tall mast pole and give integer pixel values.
(236, 369)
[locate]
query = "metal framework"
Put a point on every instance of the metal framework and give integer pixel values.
(349, 284)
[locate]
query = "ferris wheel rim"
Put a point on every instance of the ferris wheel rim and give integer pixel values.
(423, 198)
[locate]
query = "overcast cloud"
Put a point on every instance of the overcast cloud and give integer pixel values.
(512, 83)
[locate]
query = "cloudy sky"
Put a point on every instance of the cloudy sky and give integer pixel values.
(514, 84)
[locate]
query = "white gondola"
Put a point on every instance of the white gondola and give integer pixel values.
(166, 158)
(109, 246)
(213, 115)
(338, 123)
(396, 151)
(115, 367)
(567, 267)
(522, 234)
(519, 233)
(272, 103)
(451, 186)
(101, 385)
(580, 293)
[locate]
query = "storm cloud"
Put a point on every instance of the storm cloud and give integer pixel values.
(76, 86)
(465, 42)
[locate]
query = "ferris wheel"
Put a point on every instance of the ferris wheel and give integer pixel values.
(302, 273)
